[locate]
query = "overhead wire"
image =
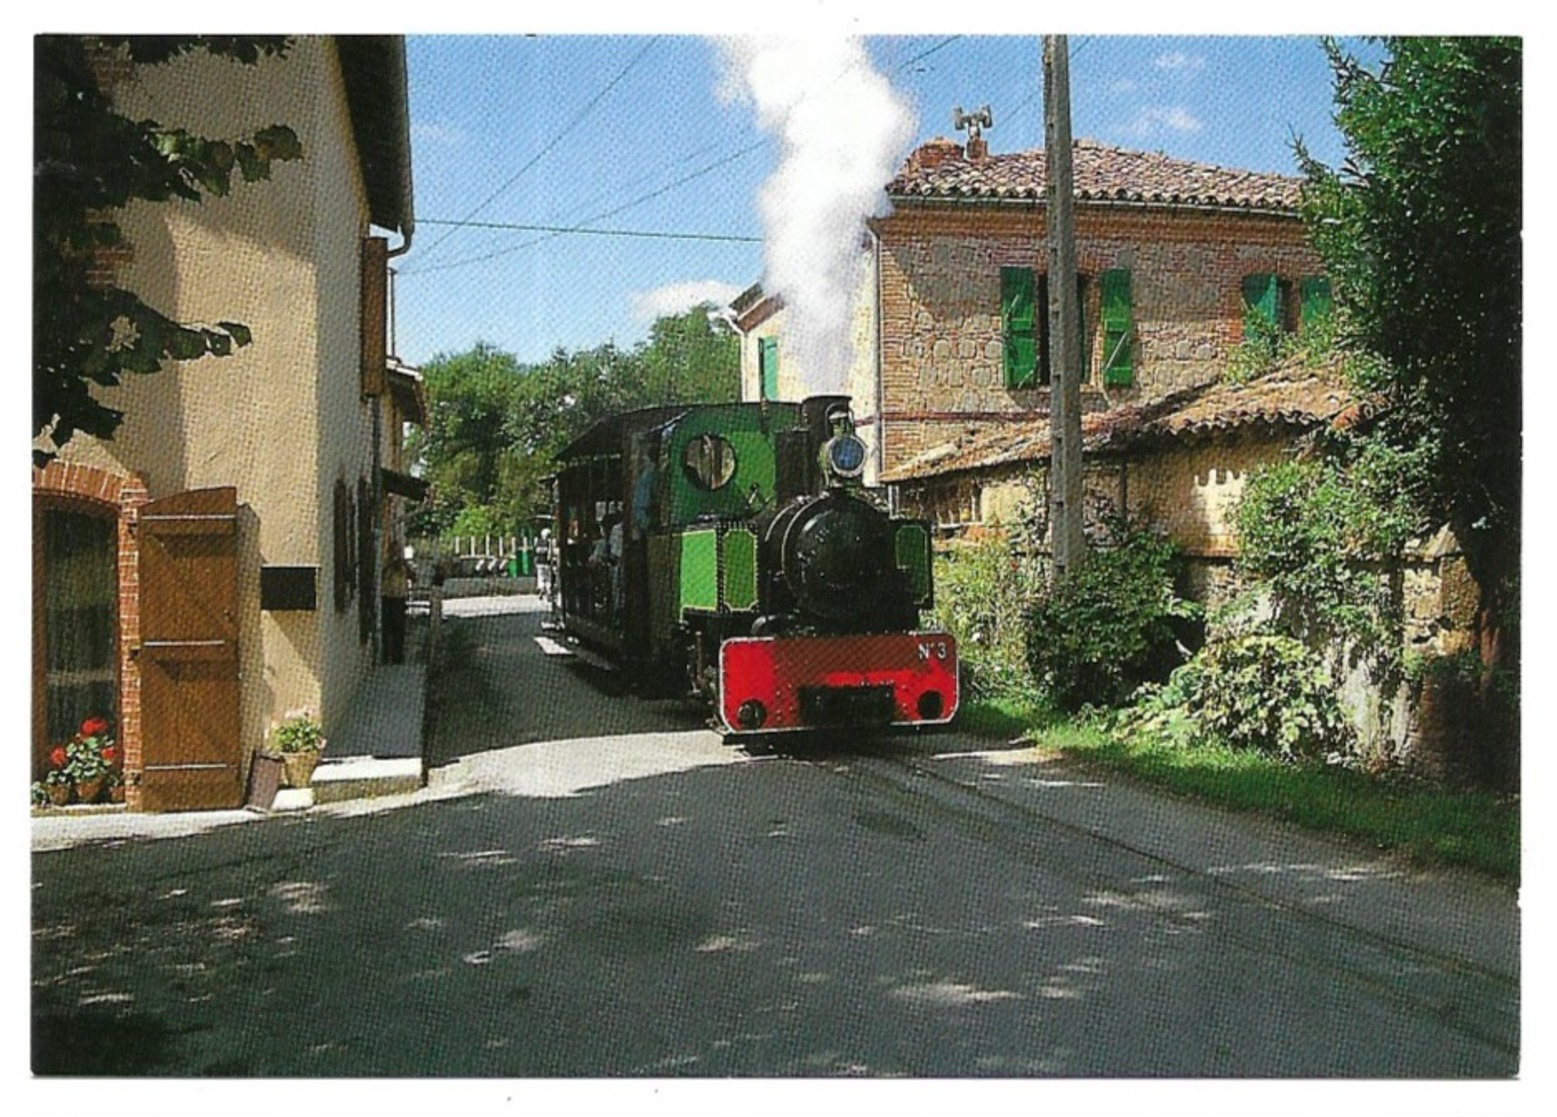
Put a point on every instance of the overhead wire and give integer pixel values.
(555, 140)
(582, 226)
(922, 55)
(648, 233)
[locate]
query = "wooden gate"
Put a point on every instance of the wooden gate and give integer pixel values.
(188, 654)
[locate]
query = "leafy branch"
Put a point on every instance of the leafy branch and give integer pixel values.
(90, 161)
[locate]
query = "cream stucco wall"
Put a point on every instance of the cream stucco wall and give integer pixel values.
(280, 419)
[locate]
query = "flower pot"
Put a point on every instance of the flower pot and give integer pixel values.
(116, 793)
(299, 767)
(90, 791)
(59, 794)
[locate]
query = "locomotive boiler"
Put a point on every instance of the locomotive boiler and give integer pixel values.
(734, 546)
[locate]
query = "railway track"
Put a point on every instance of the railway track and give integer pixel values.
(1475, 1001)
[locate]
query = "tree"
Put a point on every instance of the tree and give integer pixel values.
(691, 356)
(470, 396)
(1420, 229)
(496, 425)
(89, 162)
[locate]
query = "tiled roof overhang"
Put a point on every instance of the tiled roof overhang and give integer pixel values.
(374, 70)
(1285, 399)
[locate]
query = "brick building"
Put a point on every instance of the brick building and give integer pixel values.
(1178, 462)
(215, 564)
(1176, 259)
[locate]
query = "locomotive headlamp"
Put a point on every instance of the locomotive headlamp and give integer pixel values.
(845, 455)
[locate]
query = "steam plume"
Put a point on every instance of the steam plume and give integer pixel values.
(844, 130)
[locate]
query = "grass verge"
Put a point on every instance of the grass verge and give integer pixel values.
(1429, 824)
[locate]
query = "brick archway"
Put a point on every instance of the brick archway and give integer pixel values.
(73, 487)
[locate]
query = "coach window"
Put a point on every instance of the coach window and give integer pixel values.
(709, 461)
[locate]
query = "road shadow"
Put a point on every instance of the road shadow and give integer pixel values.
(753, 918)
(494, 688)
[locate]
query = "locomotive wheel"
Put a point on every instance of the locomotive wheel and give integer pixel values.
(702, 673)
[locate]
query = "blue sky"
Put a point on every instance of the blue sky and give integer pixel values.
(636, 136)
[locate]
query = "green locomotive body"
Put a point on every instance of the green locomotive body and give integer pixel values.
(685, 529)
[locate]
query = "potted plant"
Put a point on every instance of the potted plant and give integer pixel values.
(91, 760)
(299, 738)
(54, 788)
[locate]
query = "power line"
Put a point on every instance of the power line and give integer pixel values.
(649, 233)
(550, 232)
(1084, 42)
(582, 225)
(555, 140)
(926, 53)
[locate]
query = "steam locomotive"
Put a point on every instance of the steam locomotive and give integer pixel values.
(734, 546)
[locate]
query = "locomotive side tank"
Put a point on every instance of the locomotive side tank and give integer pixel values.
(733, 543)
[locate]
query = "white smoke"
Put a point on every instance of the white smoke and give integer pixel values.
(844, 132)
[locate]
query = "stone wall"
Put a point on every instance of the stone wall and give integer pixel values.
(942, 350)
(1443, 726)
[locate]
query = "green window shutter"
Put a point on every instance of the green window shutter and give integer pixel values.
(1018, 322)
(767, 366)
(1261, 306)
(1316, 300)
(1084, 340)
(1045, 343)
(1118, 370)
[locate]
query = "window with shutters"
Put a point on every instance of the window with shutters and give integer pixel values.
(367, 567)
(1118, 324)
(1261, 306)
(1316, 302)
(1019, 320)
(767, 366)
(1082, 328)
(80, 596)
(375, 314)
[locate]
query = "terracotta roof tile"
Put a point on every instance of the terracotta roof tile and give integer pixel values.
(1294, 396)
(940, 169)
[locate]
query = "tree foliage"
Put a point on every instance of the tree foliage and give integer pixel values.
(495, 425)
(1099, 634)
(1319, 534)
(89, 162)
(1420, 231)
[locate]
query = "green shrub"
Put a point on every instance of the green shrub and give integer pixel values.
(1111, 626)
(1319, 533)
(983, 592)
(1264, 691)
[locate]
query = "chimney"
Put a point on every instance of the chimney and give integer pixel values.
(978, 148)
(934, 153)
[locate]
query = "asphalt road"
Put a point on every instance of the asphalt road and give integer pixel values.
(594, 885)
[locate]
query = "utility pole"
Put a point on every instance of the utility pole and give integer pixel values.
(1068, 543)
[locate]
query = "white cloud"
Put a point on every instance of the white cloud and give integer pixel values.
(1123, 85)
(1178, 60)
(675, 298)
(1158, 118)
(442, 135)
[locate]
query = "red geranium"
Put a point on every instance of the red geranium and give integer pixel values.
(92, 727)
(111, 754)
(57, 758)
